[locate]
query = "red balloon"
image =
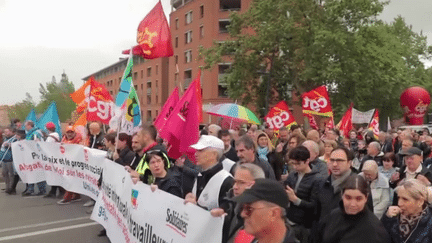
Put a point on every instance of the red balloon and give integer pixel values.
(415, 101)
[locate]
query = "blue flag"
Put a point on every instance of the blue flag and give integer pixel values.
(30, 117)
(126, 83)
(50, 115)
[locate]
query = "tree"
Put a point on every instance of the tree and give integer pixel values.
(58, 92)
(278, 46)
(21, 109)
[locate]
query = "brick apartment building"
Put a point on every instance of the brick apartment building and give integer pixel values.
(193, 23)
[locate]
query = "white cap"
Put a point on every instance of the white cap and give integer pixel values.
(208, 141)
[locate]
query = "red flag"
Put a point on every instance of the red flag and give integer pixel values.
(374, 124)
(154, 36)
(317, 102)
(330, 124)
(346, 122)
(167, 109)
(182, 128)
(280, 116)
(312, 121)
(96, 99)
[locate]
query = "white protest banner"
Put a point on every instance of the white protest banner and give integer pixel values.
(133, 213)
(359, 117)
(74, 167)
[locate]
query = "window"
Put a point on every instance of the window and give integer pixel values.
(149, 72)
(188, 17)
(187, 78)
(135, 76)
(222, 84)
(157, 113)
(157, 99)
(229, 5)
(142, 87)
(188, 56)
(135, 87)
(148, 99)
(157, 81)
(149, 117)
(177, 24)
(202, 11)
(201, 31)
(223, 25)
(157, 69)
(176, 42)
(142, 74)
(176, 59)
(188, 37)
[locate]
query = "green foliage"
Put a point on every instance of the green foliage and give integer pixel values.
(52, 91)
(21, 109)
(58, 92)
(302, 44)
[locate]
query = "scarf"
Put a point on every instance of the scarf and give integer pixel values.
(336, 183)
(262, 153)
(408, 223)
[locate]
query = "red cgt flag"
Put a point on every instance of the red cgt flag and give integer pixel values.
(312, 121)
(154, 36)
(317, 102)
(280, 116)
(93, 98)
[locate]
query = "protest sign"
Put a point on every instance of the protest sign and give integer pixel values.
(359, 117)
(74, 167)
(133, 213)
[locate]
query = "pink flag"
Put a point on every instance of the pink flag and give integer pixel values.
(182, 128)
(167, 109)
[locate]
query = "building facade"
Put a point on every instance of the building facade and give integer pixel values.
(194, 24)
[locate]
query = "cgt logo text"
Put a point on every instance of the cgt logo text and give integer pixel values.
(315, 105)
(177, 222)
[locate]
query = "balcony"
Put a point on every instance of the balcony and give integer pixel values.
(149, 91)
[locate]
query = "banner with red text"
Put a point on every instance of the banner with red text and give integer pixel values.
(317, 102)
(74, 167)
(280, 116)
(133, 213)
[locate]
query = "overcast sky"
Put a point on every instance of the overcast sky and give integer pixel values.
(39, 39)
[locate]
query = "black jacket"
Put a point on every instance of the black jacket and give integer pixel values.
(171, 183)
(187, 176)
(307, 192)
(328, 200)
(363, 227)
(377, 159)
(321, 167)
(126, 156)
(276, 162)
(96, 141)
(421, 234)
(232, 154)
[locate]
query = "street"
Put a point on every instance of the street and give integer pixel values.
(38, 219)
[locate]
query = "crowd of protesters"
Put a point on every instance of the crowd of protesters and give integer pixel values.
(286, 186)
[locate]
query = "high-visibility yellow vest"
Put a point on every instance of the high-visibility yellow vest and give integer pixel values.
(143, 166)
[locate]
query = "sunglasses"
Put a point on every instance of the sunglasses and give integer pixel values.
(248, 209)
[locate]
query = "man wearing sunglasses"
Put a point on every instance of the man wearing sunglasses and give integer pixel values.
(263, 209)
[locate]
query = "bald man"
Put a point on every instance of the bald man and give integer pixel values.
(315, 162)
(96, 136)
(315, 136)
(379, 185)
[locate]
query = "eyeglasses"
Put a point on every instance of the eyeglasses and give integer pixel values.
(248, 209)
(337, 160)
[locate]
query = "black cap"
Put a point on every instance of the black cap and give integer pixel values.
(412, 151)
(264, 190)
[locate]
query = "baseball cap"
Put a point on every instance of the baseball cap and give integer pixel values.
(70, 128)
(412, 151)
(264, 190)
(208, 141)
(50, 125)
